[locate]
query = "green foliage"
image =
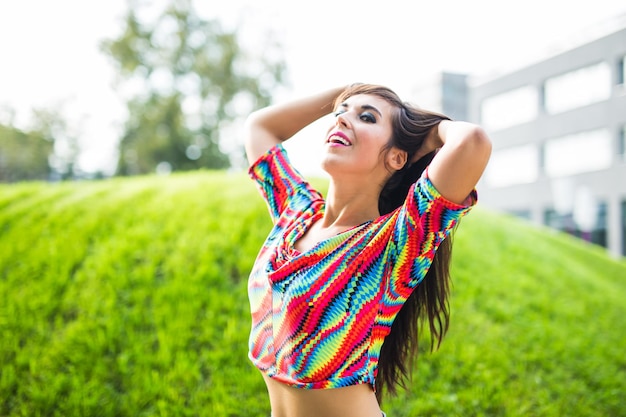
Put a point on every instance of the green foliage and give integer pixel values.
(536, 329)
(23, 155)
(191, 79)
(44, 151)
(127, 297)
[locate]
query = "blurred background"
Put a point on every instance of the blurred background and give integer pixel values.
(91, 90)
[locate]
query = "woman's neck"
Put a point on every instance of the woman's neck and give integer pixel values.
(349, 204)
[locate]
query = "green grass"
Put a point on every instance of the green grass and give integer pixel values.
(127, 297)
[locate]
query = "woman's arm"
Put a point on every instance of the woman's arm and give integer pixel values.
(271, 125)
(464, 152)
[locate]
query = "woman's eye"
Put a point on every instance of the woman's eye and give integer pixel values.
(368, 117)
(338, 112)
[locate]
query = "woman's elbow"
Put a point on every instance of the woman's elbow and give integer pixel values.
(478, 142)
(254, 125)
(258, 139)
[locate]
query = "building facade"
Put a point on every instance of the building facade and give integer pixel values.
(559, 141)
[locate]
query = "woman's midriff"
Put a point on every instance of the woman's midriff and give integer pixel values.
(354, 401)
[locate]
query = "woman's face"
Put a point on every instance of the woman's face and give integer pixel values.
(355, 142)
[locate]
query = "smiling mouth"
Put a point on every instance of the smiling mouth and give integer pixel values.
(339, 139)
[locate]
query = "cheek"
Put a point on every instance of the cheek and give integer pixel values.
(371, 156)
(377, 139)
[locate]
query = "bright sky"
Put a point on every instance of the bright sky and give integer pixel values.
(50, 58)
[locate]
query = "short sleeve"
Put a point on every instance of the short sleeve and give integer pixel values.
(435, 213)
(278, 181)
(422, 223)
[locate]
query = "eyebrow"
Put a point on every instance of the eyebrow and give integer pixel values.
(366, 107)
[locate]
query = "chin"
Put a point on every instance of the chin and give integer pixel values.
(326, 166)
(334, 167)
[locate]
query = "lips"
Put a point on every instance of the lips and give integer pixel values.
(338, 138)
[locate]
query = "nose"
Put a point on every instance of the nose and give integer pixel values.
(342, 120)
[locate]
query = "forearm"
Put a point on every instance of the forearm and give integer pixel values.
(271, 125)
(286, 119)
(453, 133)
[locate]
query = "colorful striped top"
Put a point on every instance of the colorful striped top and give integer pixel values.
(319, 318)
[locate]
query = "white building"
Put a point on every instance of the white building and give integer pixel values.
(559, 133)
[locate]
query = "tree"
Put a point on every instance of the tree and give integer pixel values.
(52, 124)
(186, 78)
(44, 151)
(23, 155)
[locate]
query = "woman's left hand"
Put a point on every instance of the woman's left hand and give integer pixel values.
(432, 143)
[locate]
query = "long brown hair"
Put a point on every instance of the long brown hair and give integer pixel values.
(411, 125)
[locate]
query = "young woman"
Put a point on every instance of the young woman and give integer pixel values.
(340, 284)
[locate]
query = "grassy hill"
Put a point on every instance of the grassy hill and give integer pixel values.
(127, 297)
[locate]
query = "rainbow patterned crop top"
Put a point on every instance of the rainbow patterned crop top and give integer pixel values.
(319, 318)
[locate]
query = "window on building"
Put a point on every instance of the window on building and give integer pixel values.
(599, 234)
(624, 227)
(577, 88)
(577, 153)
(621, 71)
(521, 214)
(515, 165)
(509, 109)
(567, 223)
(621, 138)
(562, 222)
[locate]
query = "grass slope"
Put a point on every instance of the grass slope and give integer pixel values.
(128, 298)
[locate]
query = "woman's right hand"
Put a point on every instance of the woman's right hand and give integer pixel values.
(269, 126)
